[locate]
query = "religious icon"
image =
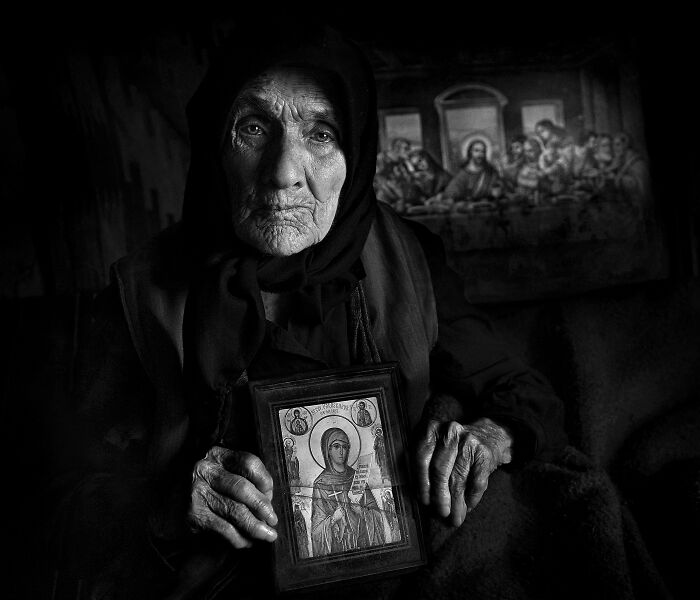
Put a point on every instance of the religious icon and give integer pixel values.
(363, 412)
(340, 489)
(297, 421)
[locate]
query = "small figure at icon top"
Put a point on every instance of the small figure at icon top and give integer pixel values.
(299, 426)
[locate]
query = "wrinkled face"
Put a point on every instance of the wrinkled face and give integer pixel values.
(338, 453)
(284, 165)
(477, 153)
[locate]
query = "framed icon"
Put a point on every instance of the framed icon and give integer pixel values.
(335, 443)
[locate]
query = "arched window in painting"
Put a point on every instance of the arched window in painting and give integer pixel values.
(469, 112)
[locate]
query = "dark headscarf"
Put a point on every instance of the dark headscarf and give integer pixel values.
(329, 477)
(225, 319)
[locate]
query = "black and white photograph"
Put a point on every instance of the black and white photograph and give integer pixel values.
(386, 302)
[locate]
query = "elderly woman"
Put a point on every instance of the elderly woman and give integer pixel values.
(284, 262)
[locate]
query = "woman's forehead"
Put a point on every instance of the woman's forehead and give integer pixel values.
(308, 92)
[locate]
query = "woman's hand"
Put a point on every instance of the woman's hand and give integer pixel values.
(231, 495)
(455, 461)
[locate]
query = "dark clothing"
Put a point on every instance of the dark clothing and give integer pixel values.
(139, 442)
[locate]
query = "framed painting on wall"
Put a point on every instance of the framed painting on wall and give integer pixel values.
(534, 168)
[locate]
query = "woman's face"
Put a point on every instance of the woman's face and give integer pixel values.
(338, 453)
(284, 165)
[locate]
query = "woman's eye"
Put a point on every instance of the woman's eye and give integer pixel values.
(251, 129)
(323, 136)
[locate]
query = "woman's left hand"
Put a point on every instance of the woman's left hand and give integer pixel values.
(455, 461)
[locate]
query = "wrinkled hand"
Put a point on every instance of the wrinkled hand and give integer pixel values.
(231, 495)
(455, 461)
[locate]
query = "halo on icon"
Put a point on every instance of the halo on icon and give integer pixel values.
(342, 423)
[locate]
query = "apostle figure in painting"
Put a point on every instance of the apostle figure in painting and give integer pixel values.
(513, 162)
(340, 519)
(631, 175)
(428, 176)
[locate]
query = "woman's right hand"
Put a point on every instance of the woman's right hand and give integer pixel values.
(231, 495)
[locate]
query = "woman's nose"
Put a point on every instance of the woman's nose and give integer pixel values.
(285, 163)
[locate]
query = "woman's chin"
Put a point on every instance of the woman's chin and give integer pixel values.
(280, 240)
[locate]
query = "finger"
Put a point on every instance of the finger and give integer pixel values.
(458, 482)
(249, 466)
(238, 515)
(201, 517)
(240, 489)
(213, 522)
(477, 483)
(441, 468)
(424, 454)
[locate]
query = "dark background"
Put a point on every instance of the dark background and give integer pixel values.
(93, 161)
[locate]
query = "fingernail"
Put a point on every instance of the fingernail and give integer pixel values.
(272, 519)
(270, 533)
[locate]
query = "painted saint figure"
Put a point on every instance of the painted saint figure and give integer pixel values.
(299, 426)
(294, 465)
(364, 419)
(341, 520)
(391, 517)
(289, 454)
(380, 452)
(301, 533)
